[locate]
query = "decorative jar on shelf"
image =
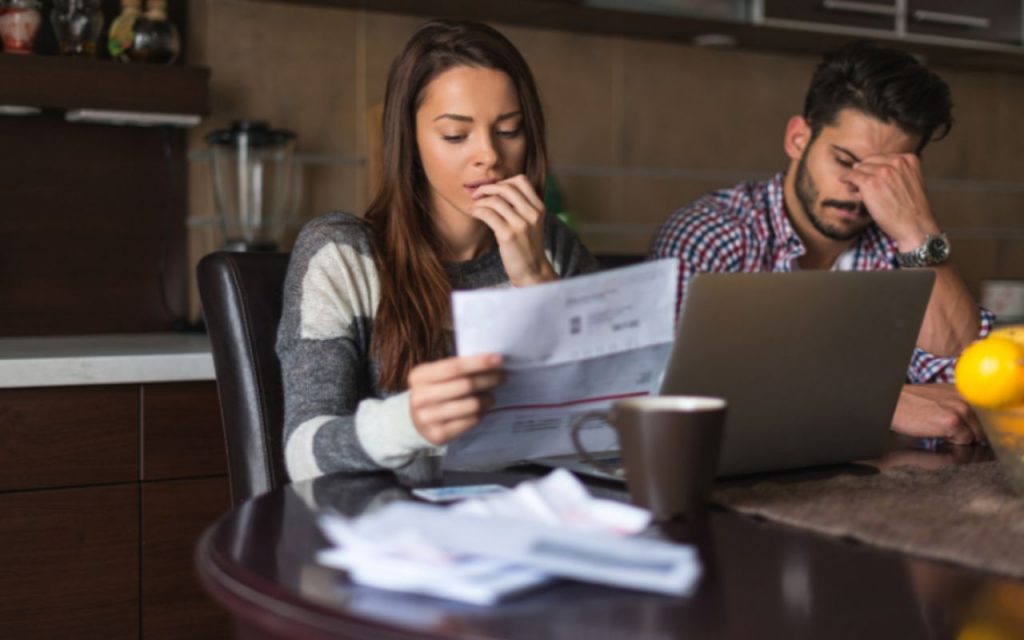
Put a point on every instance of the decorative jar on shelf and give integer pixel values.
(77, 25)
(155, 37)
(121, 38)
(122, 34)
(19, 24)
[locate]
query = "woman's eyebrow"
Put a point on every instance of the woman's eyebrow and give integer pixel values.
(461, 118)
(454, 116)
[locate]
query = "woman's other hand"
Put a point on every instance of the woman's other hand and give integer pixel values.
(515, 213)
(448, 397)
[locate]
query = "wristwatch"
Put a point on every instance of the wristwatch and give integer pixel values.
(934, 251)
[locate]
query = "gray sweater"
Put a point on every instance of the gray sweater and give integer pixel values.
(336, 416)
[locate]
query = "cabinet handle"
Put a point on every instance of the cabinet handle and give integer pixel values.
(859, 7)
(953, 19)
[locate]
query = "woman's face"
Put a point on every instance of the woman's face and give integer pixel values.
(469, 131)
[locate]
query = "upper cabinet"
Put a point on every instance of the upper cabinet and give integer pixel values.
(864, 14)
(980, 33)
(997, 21)
(953, 22)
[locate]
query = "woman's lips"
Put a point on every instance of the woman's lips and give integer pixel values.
(473, 186)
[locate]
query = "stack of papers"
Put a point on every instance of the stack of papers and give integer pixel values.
(486, 549)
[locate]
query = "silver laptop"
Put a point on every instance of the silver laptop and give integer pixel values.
(811, 363)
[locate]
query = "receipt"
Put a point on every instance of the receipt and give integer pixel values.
(569, 347)
(487, 549)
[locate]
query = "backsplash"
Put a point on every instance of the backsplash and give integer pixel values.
(637, 128)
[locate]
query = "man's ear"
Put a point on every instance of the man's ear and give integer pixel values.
(798, 136)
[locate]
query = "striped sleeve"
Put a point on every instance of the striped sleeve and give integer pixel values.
(332, 420)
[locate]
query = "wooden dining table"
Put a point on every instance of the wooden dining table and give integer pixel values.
(760, 579)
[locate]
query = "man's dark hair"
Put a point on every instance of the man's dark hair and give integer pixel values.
(887, 84)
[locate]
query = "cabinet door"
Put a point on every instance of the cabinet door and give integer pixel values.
(68, 436)
(181, 431)
(863, 14)
(989, 20)
(174, 514)
(70, 563)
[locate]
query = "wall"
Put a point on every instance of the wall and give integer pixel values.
(637, 128)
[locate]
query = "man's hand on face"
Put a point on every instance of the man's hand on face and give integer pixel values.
(936, 411)
(892, 189)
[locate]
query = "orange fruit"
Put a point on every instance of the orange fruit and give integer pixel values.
(982, 630)
(1009, 421)
(1013, 332)
(990, 373)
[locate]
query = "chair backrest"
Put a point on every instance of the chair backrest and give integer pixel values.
(241, 295)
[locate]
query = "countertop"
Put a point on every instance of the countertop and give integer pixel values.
(54, 361)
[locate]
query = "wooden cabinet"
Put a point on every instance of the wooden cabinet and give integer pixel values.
(795, 26)
(997, 21)
(181, 431)
(70, 561)
(865, 14)
(104, 491)
(174, 514)
(68, 436)
(980, 21)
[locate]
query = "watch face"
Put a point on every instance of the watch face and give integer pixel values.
(938, 249)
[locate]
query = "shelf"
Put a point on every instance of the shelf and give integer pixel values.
(64, 83)
(574, 15)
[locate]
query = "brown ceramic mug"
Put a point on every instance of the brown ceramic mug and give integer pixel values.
(670, 447)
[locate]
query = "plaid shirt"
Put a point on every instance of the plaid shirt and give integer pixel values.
(746, 229)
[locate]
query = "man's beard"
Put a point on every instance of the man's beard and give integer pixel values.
(807, 194)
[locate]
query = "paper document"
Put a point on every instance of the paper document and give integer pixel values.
(570, 346)
(487, 549)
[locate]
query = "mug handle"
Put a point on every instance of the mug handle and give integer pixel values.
(574, 432)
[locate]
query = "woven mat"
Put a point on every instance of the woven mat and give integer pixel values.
(963, 514)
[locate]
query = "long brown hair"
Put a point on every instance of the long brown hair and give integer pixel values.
(415, 306)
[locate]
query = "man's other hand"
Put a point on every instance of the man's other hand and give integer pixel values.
(936, 411)
(892, 189)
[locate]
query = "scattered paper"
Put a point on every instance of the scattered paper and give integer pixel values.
(559, 499)
(486, 549)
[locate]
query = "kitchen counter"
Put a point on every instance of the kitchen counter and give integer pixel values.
(104, 359)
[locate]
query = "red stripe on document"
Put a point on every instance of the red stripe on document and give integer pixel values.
(570, 403)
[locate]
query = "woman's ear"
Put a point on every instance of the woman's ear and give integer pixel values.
(798, 136)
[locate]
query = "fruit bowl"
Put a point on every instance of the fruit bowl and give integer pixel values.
(1004, 429)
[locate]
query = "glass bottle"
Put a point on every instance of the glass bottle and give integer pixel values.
(122, 31)
(156, 38)
(77, 25)
(19, 24)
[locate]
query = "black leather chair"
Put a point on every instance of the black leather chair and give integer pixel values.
(241, 296)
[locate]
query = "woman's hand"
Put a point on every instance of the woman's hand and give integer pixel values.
(515, 214)
(450, 396)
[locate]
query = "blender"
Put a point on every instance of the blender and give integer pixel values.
(253, 183)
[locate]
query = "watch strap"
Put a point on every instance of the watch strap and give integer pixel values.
(923, 256)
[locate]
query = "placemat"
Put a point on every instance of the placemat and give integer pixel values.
(962, 513)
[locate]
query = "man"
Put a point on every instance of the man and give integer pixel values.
(852, 198)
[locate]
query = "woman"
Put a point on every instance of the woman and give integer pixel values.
(365, 340)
